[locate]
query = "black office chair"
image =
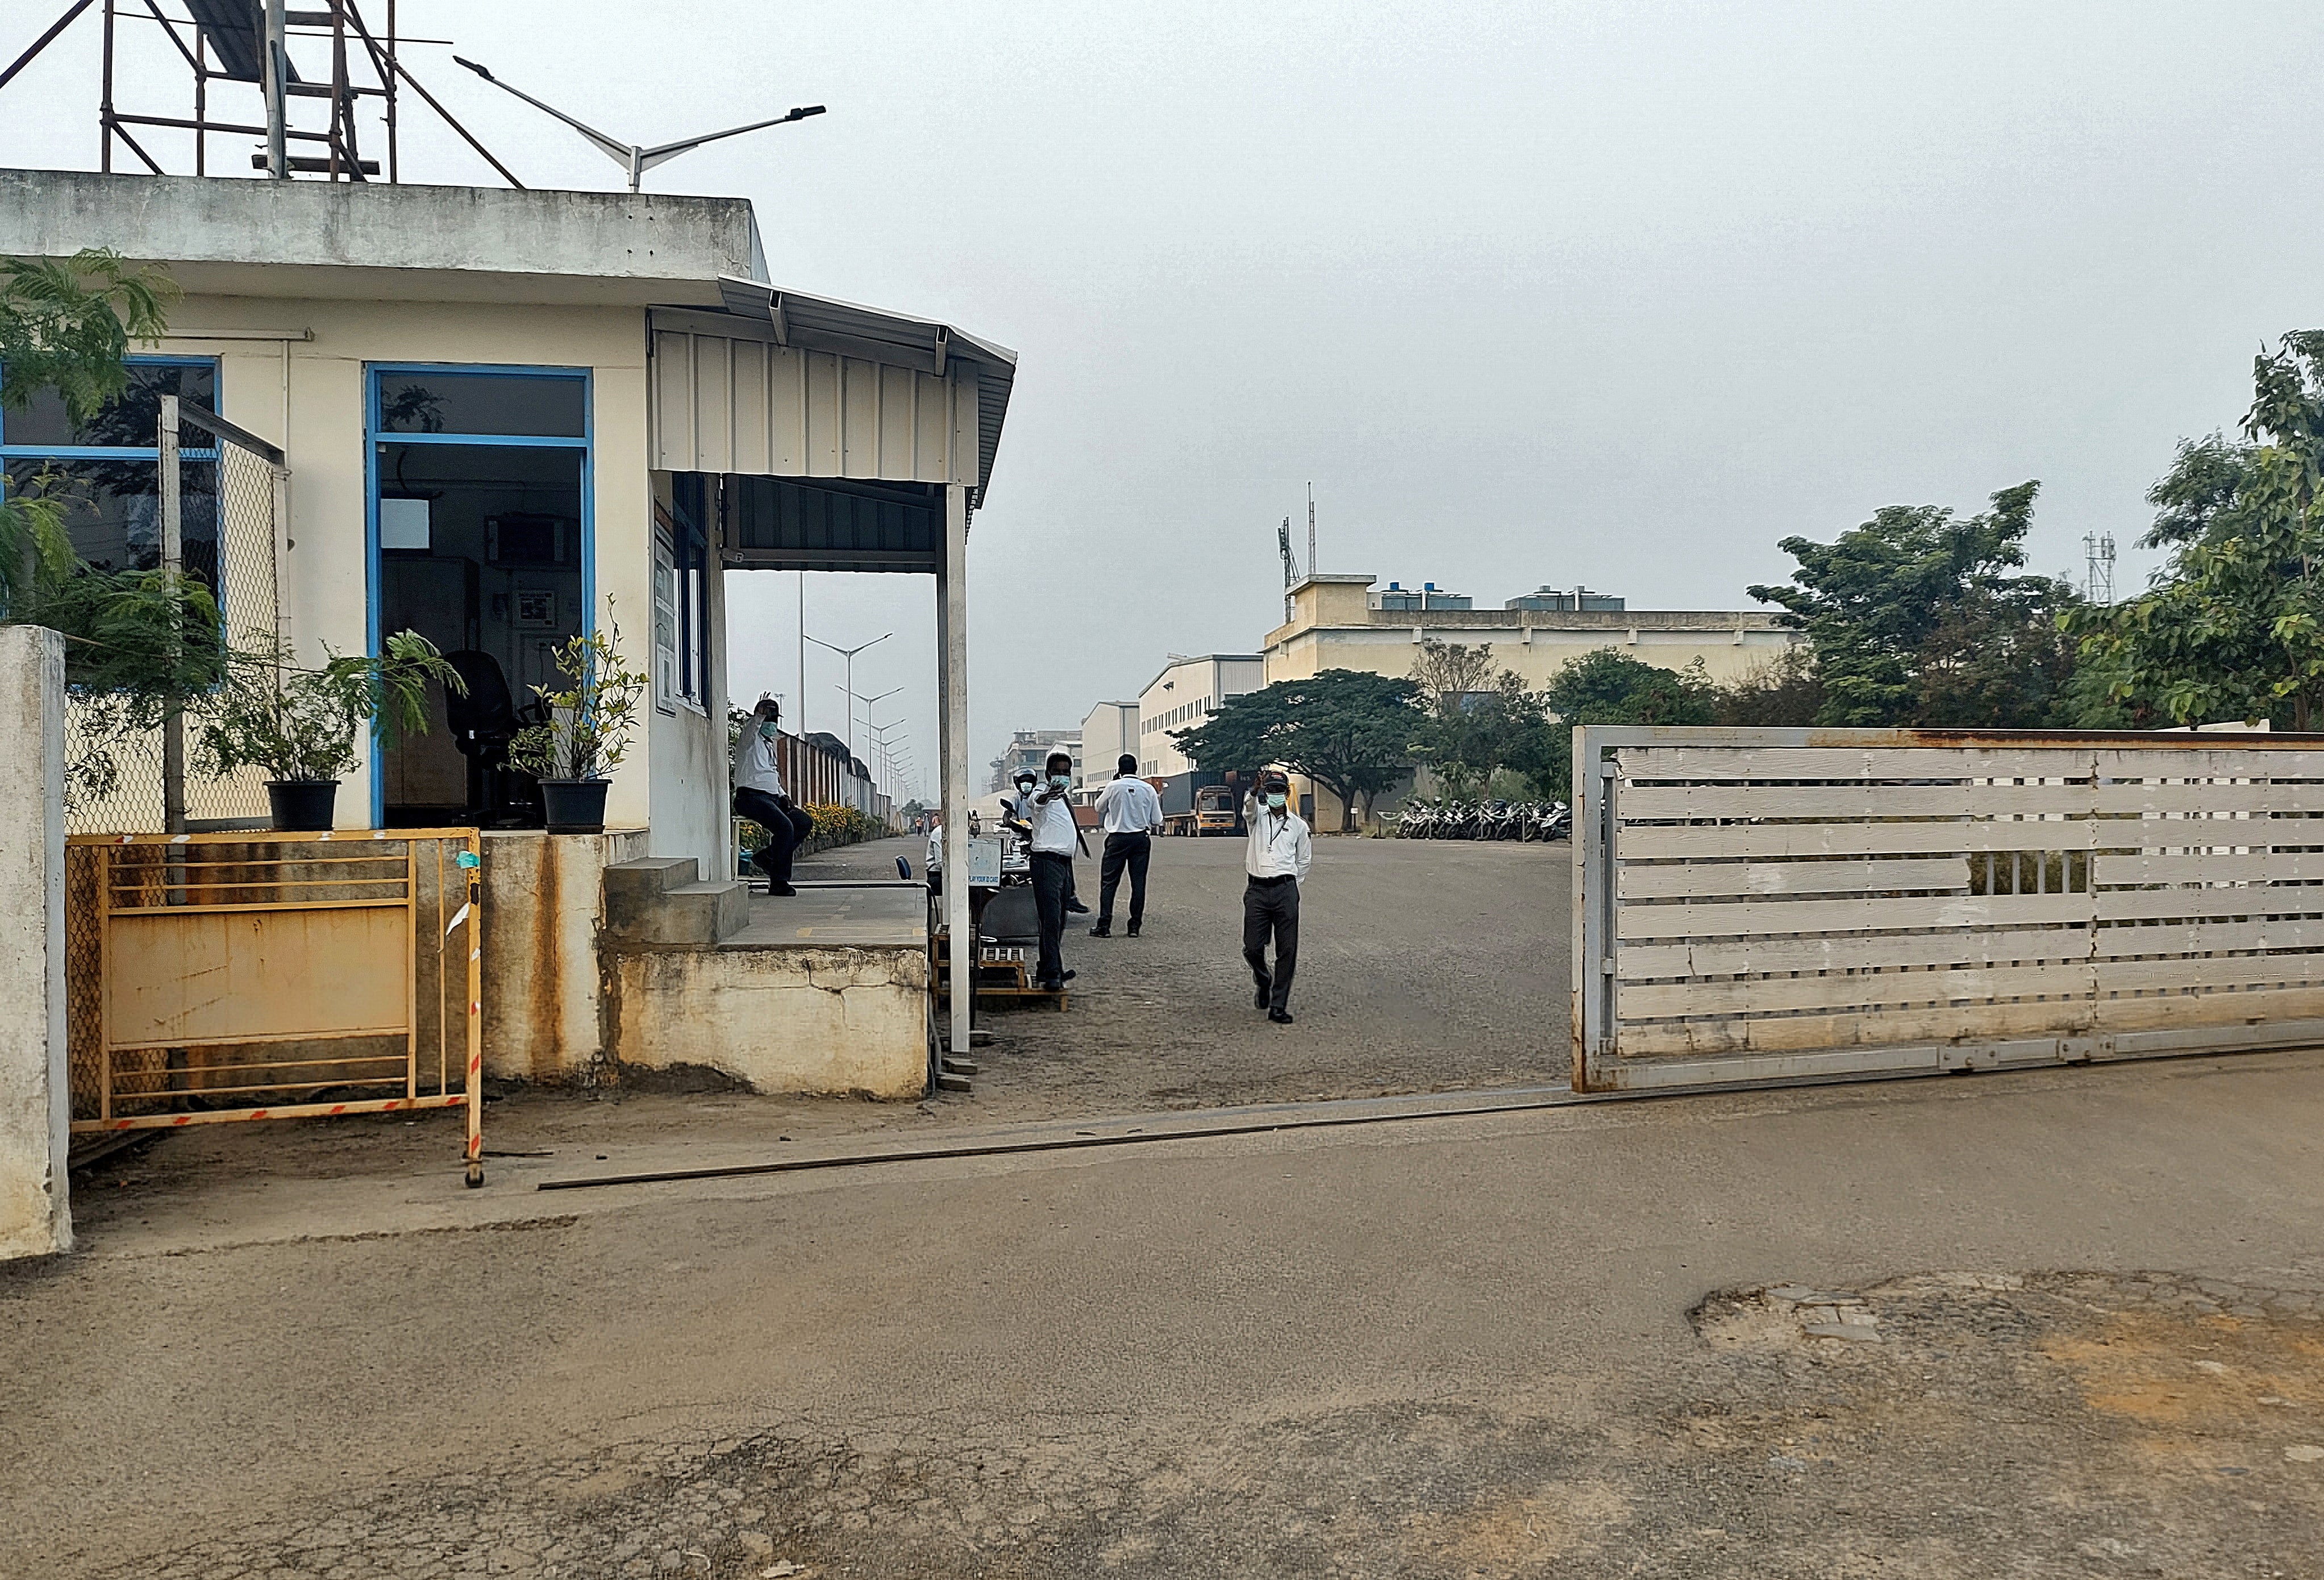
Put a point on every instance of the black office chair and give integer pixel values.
(482, 722)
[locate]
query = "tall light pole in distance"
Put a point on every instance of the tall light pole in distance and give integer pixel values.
(869, 702)
(849, 654)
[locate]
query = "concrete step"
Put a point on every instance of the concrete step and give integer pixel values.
(660, 900)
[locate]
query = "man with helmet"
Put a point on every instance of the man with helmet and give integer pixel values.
(1275, 858)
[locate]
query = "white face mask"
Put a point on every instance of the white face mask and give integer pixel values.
(768, 729)
(1276, 800)
(1024, 786)
(1061, 781)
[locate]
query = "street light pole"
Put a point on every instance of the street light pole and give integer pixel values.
(849, 654)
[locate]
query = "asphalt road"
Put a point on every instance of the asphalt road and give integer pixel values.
(1424, 966)
(1517, 1346)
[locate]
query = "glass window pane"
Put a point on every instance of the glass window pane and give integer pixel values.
(520, 404)
(112, 509)
(128, 420)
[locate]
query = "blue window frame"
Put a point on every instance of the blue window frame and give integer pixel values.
(106, 471)
(433, 417)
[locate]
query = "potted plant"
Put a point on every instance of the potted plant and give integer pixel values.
(301, 724)
(587, 732)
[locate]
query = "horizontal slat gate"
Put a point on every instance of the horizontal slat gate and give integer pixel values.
(1763, 905)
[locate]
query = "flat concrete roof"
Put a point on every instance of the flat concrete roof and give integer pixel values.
(356, 240)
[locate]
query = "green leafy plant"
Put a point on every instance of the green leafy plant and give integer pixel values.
(591, 720)
(1919, 616)
(2234, 626)
(839, 825)
(301, 723)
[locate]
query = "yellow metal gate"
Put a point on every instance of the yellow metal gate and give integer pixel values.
(228, 977)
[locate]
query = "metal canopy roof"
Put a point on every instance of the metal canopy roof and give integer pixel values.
(817, 323)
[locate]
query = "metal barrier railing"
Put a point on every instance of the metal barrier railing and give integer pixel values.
(213, 977)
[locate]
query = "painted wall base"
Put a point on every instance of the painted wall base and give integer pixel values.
(544, 986)
(850, 1021)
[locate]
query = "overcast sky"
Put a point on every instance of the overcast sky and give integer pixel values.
(1614, 293)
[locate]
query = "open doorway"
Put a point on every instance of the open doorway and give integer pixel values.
(480, 532)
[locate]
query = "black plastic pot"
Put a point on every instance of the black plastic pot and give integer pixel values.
(575, 806)
(301, 806)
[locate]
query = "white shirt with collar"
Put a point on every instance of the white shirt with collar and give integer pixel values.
(754, 763)
(1278, 846)
(1129, 806)
(1054, 830)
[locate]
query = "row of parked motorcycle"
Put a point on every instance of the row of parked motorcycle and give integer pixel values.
(1519, 820)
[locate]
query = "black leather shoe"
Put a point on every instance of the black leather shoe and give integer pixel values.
(1077, 907)
(1130, 934)
(1103, 932)
(1259, 996)
(1281, 1017)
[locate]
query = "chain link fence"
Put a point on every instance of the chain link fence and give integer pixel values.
(231, 499)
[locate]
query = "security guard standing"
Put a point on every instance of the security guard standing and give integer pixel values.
(1049, 816)
(1275, 858)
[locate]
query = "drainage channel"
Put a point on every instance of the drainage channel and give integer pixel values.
(1289, 1117)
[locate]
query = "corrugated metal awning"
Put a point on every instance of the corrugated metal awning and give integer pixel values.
(890, 340)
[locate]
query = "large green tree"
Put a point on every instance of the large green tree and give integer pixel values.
(1922, 617)
(1349, 731)
(2234, 626)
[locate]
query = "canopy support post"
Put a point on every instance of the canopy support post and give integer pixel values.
(952, 683)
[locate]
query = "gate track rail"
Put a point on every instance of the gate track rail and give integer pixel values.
(1774, 905)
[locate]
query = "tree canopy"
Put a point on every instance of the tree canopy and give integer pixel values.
(2234, 626)
(1921, 618)
(1349, 731)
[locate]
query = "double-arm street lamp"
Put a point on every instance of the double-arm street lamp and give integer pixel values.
(849, 654)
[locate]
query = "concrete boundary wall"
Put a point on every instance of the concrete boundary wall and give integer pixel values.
(35, 1097)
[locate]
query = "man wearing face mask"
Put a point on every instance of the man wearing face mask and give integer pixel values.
(760, 796)
(1020, 809)
(1049, 816)
(1276, 859)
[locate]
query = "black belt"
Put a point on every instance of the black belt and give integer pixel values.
(1051, 855)
(1278, 878)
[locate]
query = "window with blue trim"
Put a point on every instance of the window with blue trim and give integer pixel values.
(480, 541)
(682, 573)
(106, 471)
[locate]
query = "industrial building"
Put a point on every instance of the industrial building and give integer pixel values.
(1338, 623)
(1187, 691)
(1109, 730)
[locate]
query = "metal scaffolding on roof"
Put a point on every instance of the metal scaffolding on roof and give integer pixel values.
(353, 75)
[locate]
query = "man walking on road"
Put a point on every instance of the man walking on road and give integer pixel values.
(1131, 815)
(1050, 816)
(1277, 858)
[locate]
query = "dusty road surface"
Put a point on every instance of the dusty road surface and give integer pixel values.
(2058, 1324)
(1424, 966)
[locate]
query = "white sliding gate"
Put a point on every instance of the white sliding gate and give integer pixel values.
(1788, 904)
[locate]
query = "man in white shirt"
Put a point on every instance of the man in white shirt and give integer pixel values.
(1131, 815)
(1049, 815)
(1276, 859)
(760, 796)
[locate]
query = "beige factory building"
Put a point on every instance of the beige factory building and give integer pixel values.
(1338, 623)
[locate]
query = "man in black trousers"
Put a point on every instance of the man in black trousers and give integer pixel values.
(1275, 858)
(1131, 815)
(1048, 818)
